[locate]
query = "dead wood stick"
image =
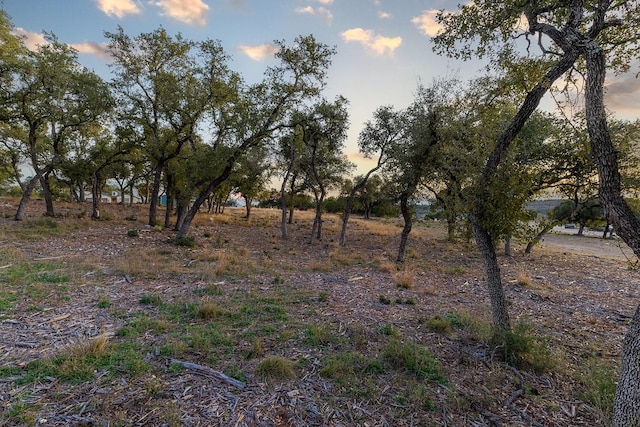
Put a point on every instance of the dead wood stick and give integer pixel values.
(6, 266)
(208, 372)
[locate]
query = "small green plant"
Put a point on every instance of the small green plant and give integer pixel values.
(149, 299)
(598, 385)
(207, 234)
(415, 359)
(186, 241)
(133, 233)
(318, 335)
(276, 368)
(384, 300)
(323, 296)
(131, 217)
(438, 324)
(388, 330)
(104, 302)
(158, 227)
(519, 347)
(235, 371)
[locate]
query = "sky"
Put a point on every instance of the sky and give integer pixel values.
(384, 47)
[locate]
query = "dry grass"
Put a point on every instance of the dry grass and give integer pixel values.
(94, 347)
(210, 310)
(404, 279)
(524, 279)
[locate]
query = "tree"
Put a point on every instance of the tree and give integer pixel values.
(605, 35)
(251, 176)
(261, 112)
(50, 98)
(377, 137)
(165, 86)
(324, 129)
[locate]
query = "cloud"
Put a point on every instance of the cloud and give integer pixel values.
(101, 50)
(324, 14)
(118, 8)
(623, 95)
(31, 40)
(384, 15)
(192, 12)
(325, 1)
(259, 52)
(375, 43)
(426, 23)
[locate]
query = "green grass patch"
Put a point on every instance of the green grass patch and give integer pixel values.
(415, 359)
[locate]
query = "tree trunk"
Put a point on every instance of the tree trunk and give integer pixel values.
(499, 310)
(46, 192)
(95, 193)
(507, 246)
(247, 204)
(626, 407)
(26, 194)
(581, 229)
(408, 223)
(345, 218)
(536, 240)
(155, 193)
(283, 208)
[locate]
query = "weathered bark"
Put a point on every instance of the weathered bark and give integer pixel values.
(408, 223)
(499, 309)
(626, 408)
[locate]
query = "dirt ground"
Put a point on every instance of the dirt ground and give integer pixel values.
(579, 296)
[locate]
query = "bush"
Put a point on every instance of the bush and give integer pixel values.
(133, 233)
(186, 241)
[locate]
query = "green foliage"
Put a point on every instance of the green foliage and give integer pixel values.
(133, 233)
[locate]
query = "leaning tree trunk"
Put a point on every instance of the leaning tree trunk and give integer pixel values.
(408, 223)
(626, 407)
(499, 308)
(26, 194)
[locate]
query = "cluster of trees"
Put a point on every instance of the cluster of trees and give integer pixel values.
(174, 117)
(176, 113)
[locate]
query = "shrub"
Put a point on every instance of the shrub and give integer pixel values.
(186, 241)
(133, 233)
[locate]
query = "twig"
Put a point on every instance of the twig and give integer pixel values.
(208, 372)
(519, 392)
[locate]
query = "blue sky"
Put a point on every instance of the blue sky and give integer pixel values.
(383, 46)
